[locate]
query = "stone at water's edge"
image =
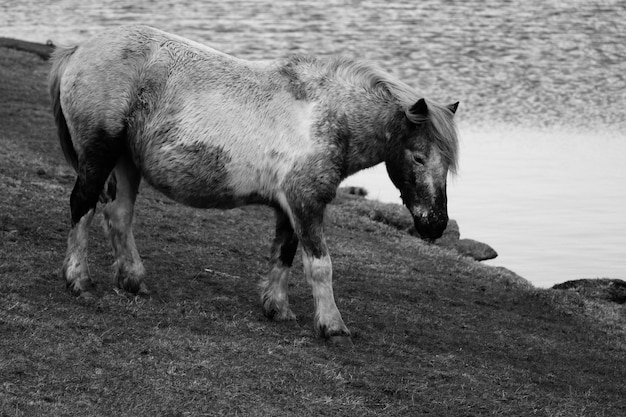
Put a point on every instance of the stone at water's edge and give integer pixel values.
(474, 249)
(467, 247)
(613, 290)
(451, 239)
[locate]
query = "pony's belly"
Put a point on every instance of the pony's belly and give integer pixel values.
(208, 197)
(204, 189)
(204, 176)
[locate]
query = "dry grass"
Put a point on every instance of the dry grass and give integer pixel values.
(435, 333)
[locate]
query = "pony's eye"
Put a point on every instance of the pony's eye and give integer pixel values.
(418, 159)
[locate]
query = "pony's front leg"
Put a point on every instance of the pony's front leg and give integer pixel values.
(328, 322)
(118, 218)
(274, 298)
(318, 271)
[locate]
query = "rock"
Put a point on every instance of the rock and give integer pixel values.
(466, 247)
(475, 249)
(358, 191)
(607, 289)
(393, 215)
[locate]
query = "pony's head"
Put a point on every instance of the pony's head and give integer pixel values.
(419, 164)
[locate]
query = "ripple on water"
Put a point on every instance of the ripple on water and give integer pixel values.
(531, 63)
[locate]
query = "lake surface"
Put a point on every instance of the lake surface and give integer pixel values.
(542, 85)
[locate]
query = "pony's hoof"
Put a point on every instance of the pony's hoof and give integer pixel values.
(340, 341)
(137, 288)
(132, 284)
(337, 337)
(280, 315)
(86, 296)
(143, 290)
(81, 289)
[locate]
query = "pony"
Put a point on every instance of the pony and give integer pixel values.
(210, 130)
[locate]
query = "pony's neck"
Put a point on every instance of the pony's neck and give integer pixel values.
(363, 121)
(367, 139)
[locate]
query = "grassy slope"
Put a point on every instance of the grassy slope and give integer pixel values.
(435, 333)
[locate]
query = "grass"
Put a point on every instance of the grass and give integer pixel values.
(434, 333)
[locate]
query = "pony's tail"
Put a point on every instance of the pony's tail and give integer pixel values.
(60, 59)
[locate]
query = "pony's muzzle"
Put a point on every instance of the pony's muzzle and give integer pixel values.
(430, 225)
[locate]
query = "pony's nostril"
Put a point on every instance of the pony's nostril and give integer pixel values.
(428, 225)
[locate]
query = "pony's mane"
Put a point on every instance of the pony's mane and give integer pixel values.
(440, 124)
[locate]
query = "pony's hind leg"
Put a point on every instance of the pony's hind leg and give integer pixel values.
(75, 268)
(118, 217)
(93, 169)
(274, 297)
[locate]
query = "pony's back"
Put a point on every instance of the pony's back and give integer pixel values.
(175, 107)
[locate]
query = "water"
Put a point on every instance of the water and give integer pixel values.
(549, 202)
(542, 85)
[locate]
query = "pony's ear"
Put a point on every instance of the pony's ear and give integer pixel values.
(453, 107)
(420, 108)
(418, 113)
